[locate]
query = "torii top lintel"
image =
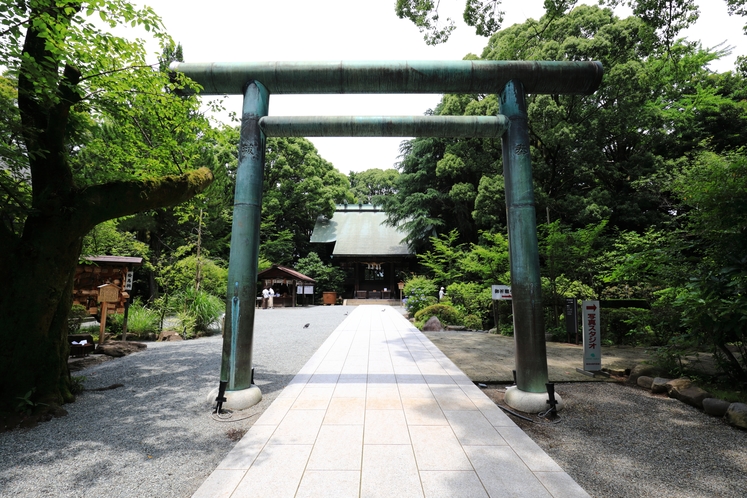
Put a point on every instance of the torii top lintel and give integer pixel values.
(465, 76)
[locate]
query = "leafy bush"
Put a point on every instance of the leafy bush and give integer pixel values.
(141, 321)
(472, 322)
(182, 274)
(420, 292)
(472, 299)
(197, 310)
(625, 326)
(445, 313)
(77, 313)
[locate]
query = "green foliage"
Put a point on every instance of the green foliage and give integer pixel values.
(328, 278)
(141, 321)
(74, 319)
(367, 186)
(472, 322)
(25, 404)
(419, 293)
(625, 326)
(182, 275)
(443, 259)
(197, 310)
(446, 314)
(483, 15)
(77, 384)
(299, 185)
(472, 298)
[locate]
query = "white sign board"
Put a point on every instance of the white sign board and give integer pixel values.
(501, 292)
(128, 280)
(304, 289)
(592, 336)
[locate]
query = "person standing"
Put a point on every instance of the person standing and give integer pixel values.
(441, 294)
(270, 297)
(265, 297)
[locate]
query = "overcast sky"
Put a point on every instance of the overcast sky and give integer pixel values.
(323, 30)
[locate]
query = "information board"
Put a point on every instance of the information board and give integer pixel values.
(592, 334)
(501, 292)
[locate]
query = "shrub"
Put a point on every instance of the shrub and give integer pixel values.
(473, 299)
(181, 275)
(445, 313)
(472, 322)
(420, 292)
(197, 310)
(141, 321)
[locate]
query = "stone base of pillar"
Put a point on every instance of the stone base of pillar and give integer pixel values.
(237, 400)
(529, 402)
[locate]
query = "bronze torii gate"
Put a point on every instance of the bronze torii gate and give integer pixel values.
(511, 80)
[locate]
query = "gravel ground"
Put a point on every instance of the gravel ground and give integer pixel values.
(155, 436)
(622, 441)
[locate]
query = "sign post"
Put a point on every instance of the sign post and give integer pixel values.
(571, 318)
(592, 334)
(108, 293)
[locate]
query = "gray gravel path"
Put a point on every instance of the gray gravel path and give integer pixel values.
(155, 436)
(620, 441)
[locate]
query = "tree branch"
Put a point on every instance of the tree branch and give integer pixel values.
(116, 199)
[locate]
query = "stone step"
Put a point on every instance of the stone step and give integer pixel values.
(359, 302)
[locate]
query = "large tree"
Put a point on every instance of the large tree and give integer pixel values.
(91, 135)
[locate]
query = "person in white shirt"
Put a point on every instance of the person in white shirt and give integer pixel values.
(265, 297)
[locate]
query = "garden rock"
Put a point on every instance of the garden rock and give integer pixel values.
(675, 386)
(645, 381)
(659, 385)
(433, 325)
(693, 396)
(644, 370)
(715, 407)
(118, 349)
(736, 415)
(169, 335)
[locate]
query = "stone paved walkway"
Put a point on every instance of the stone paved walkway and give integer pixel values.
(379, 411)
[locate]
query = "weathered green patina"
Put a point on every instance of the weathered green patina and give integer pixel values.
(218, 78)
(390, 126)
(511, 80)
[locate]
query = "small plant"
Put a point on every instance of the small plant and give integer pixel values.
(26, 404)
(507, 329)
(197, 310)
(472, 322)
(420, 293)
(141, 321)
(76, 384)
(445, 313)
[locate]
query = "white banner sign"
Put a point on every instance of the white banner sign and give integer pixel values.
(592, 336)
(304, 289)
(501, 292)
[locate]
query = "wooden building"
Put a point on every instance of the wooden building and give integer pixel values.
(286, 282)
(100, 270)
(370, 252)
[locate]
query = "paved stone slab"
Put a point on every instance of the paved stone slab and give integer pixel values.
(380, 411)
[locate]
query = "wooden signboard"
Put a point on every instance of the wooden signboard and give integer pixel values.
(108, 293)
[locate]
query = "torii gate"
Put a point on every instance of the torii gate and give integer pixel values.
(511, 80)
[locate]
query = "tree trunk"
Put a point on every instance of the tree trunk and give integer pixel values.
(34, 304)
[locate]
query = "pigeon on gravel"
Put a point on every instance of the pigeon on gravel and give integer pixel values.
(306, 326)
